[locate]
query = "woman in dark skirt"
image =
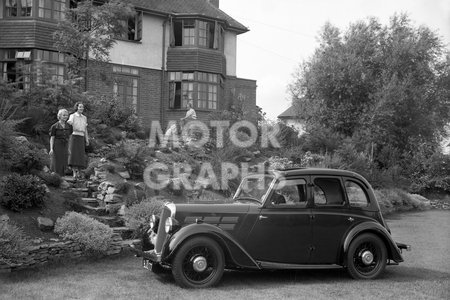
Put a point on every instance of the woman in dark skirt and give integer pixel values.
(78, 140)
(59, 140)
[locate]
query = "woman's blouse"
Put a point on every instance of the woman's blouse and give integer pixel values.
(79, 123)
(61, 132)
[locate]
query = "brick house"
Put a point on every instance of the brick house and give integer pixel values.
(175, 51)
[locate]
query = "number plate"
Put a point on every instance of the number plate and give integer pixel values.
(147, 264)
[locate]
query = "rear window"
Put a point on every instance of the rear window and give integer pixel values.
(355, 194)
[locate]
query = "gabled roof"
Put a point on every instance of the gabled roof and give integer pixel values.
(290, 113)
(202, 8)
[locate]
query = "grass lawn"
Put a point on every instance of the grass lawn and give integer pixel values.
(122, 277)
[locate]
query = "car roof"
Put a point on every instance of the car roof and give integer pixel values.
(314, 171)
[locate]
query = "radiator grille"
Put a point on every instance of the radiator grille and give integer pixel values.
(161, 234)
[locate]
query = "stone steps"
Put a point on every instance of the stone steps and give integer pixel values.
(124, 232)
(82, 192)
(90, 201)
(91, 210)
(111, 221)
(103, 207)
(128, 242)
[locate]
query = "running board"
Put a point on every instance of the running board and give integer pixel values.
(276, 266)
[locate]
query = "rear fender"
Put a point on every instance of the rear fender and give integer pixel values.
(233, 251)
(394, 252)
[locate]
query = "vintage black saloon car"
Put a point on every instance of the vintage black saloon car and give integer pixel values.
(291, 219)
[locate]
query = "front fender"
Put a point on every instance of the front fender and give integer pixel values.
(375, 228)
(232, 249)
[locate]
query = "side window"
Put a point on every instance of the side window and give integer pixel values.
(290, 192)
(356, 195)
(328, 191)
(132, 28)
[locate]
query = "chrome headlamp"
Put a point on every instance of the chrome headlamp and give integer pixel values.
(171, 225)
(153, 220)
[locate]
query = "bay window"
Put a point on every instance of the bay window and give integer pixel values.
(15, 67)
(51, 66)
(51, 9)
(18, 8)
(199, 88)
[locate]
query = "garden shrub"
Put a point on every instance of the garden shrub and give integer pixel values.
(280, 163)
(25, 156)
(111, 111)
(52, 179)
(320, 140)
(18, 192)
(391, 200)
(136, 157)
(287, 136)
(123, 187)
(293, 153)
(312, 160)
(108, 167)
(138, 215)
(13, 243)
(8, 125)
(92, 235)
(230, 153)
(431, 173)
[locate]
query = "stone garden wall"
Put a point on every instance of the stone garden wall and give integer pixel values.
(44, 253)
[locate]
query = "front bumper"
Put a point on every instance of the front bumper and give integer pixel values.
(402, 246)
(150, 255)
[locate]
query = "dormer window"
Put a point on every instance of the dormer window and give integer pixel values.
(190, 32)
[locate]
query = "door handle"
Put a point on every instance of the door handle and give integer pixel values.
(262, 217)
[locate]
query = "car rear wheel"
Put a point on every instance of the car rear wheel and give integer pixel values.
(366, 257)
(198, 263)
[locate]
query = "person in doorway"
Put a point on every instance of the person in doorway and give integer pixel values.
(59, 143)
(78, 140)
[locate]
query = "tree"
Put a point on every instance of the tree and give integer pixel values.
(88, 32)
(387, 85)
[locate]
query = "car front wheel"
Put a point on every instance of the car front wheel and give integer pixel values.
(366, 257)
(198, 263)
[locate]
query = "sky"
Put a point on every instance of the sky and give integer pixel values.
(283, 34)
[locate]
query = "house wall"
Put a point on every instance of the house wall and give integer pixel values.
(148, 52)
(240, 93)
(230, 45)
(101, 82)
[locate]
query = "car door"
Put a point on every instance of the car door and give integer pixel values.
(331, 219)
(282, 231)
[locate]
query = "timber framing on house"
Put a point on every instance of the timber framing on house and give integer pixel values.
(173, 52)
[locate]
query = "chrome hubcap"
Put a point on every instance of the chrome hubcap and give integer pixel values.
(199, 264)
(367, 257)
